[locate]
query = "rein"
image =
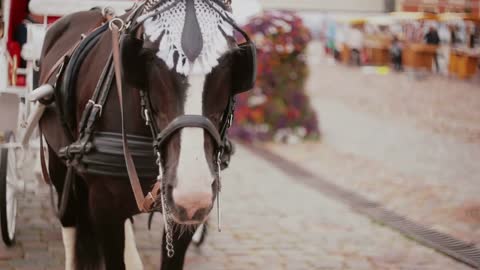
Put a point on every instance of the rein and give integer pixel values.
(144, 203)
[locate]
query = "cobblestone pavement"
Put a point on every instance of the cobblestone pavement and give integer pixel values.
(391, 139)
(411, 145)
(270, 222)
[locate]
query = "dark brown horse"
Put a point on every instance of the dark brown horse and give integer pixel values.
(96, 223)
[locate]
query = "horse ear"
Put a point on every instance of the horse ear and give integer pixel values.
(133, 62)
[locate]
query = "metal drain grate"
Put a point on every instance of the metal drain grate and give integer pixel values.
(473, 213)
(467, 253)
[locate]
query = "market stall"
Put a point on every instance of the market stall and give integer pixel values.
(463, 62)
(463, 56)
(417, 55)
(379, 39)
(344, 25)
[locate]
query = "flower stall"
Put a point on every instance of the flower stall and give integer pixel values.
(278, 109)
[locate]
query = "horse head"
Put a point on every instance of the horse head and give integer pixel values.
(183, 54)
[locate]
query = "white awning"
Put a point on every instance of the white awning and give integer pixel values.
(382, 20)
(64, 7)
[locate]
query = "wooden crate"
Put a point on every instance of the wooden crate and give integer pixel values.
(378, 55)
(463, 64)
(419, 56)
(346, 54)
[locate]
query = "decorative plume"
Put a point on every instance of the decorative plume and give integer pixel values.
(192, 34)
(149, 4)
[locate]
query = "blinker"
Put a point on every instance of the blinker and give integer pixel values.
(244, 68)
(133, 67)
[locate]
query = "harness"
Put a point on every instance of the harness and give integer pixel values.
(102, 153)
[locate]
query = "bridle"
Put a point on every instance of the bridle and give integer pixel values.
(124, 32)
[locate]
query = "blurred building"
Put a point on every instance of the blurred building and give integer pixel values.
(468, 6)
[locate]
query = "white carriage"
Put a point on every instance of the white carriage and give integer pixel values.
(19, 142)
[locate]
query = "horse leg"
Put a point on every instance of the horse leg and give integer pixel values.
(111, 235)
(111, 203)
(131, 256)
(57, 175)
(180, 245)
(68, 236)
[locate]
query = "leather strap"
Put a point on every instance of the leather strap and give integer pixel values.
(60, 61)
(68, 53)
(144, 203)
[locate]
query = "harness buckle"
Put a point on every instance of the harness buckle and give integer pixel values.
(95, 105)
(159, 158)
(121, 23)
(219, 159)
(230, 120)
(108, 12)
(146, 116)
(100, 108)
(149, 202)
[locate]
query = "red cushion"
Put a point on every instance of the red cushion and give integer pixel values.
(21, 80)
(18, 13)
(52, 19)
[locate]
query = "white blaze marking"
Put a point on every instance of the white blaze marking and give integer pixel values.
(130, 254)
(193, 172)
(68, 236)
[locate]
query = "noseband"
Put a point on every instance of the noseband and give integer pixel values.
(190, 121)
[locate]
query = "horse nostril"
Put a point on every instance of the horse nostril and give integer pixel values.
(190, 205)
(185, 215)
(200, 214)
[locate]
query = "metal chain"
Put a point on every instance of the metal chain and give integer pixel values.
(165, 210)
(219, 188)
(168, 225)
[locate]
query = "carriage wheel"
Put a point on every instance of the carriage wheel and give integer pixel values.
(8, 199)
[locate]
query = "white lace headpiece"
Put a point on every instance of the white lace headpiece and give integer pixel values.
(167, 27)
